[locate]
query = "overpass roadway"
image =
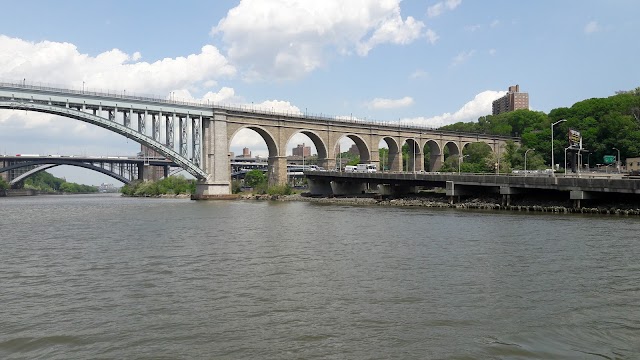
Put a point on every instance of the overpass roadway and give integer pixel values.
(578, 187)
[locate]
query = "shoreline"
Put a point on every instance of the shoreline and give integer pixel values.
(471, 203)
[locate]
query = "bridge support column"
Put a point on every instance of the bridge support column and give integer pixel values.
(141, 171)
(328, 164)
(436, 161)
(395, 161)
(506, 192)
(419, 162)
(454, 190)
(277, 170)
(578, 195)
(215, 161)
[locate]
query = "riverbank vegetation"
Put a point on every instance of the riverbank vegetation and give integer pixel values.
(3, 184)
(47, 183)
(172, 185)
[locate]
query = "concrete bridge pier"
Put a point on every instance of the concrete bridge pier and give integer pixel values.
(506, 192)
(419, 162)
(395, 161)
(319, 187)
(396, 190)
(436, 161)
(578, 195)
(277, 170)
(328, 164)
(457, 190)
(215, 160)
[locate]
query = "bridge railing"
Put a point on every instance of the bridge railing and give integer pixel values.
(86, 91)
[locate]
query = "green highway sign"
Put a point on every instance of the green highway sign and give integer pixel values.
(609, 159)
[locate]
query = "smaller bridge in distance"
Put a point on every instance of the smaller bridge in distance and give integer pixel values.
(122, 168)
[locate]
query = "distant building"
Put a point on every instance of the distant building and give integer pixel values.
(354, 150)
(246, 153)
(301, 150)
(633, 164)
(513, 100)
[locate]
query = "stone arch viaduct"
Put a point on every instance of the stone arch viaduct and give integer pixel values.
(205, 132)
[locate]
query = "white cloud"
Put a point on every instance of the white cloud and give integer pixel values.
(591, 27)
(494, 23)
(471, 111)
(62, 64)
(431, 36)
(286, 39)
(419, 74)
(493, 52)
(438, 8)
(462, 57)
(379, 103)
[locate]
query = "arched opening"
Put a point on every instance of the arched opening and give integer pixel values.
(252, 149)
(390, 156)
(351, 150)
(412, 156)
(305, 150)
(433, 156)
(477, 157)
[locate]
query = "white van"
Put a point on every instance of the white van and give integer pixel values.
(350, 168)
(368, 168)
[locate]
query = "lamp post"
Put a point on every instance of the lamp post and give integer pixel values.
(525, 161)
(414, 157)
(553, 164)
(618, 163)
(460, 162)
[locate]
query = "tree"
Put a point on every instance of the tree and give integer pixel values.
(254, 178)
(3, 184)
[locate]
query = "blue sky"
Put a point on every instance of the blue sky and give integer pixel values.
(425, 62)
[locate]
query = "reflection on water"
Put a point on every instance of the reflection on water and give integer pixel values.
(110, 277)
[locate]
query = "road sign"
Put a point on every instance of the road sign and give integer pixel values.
(609, 159)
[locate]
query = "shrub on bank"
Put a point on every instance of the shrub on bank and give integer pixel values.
(172, 185)
(280, 190)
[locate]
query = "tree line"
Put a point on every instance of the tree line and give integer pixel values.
(45, 182)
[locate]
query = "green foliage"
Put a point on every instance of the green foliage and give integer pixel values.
(604, 123)
(236, 186)
(280, 190)
(3, 184)
(43, 181)
(173, 185)
(255, 178)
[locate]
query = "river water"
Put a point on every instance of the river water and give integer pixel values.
(100, 276)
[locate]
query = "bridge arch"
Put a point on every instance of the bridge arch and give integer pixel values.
(394, 158)
(320, 145)
(47, 165)
(436, 157)
(361, 144)
(109, 125)
(414, 159)
(266, 135)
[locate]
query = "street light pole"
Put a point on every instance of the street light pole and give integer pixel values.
(618, 160)
(553, 163)
(525, 161)
(460, 161)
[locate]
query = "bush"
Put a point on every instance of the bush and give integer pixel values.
(280, 190)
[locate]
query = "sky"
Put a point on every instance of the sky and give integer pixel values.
(429, 63)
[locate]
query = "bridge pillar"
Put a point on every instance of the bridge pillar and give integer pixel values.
(328, 164)
(215, 159)
(395, 161)
(141, 171)
(277, 170)
(419, 162)
(436, 161)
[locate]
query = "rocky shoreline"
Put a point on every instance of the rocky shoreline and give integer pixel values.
(472, 203)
